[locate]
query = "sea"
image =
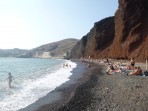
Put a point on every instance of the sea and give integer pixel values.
(33, 79)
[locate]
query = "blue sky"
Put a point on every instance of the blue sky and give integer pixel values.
(27, 24)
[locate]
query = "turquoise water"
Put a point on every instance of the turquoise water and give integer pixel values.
(24, 68)
(33, 79)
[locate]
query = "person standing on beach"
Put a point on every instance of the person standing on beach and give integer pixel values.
(9, 79)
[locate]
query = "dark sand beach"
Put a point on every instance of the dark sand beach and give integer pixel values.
(97, 91)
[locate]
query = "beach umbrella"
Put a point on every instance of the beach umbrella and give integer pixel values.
(146, 64)
(146, 71)
(146, 55)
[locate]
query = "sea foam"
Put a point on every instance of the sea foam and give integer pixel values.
(33, 89)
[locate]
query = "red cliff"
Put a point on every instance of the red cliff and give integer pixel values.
(123, 36)
(131, 30)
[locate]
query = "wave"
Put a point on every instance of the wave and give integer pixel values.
(33, 89)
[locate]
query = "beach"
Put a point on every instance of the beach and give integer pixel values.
(94, 90)
(63, 93)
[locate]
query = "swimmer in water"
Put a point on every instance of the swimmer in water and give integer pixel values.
(10, 77)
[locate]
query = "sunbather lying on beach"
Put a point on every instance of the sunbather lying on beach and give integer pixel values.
(138, 71)
(110, 69)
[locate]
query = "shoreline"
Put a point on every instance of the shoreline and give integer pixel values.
(97, 91)
(59, 94)
(71, 90)
(83, 98)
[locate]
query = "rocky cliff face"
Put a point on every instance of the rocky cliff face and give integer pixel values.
(131, 30)
(95, 44)
(79, 49)
(124, 36)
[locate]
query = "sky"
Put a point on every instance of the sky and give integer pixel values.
(27, 24)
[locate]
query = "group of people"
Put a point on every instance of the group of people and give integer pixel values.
(136, 70)
(66, 65)
(114, 67)
(128, 69)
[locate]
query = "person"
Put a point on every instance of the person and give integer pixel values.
(138, 71)
(107, 60)
(110, 69)
(88, 65)
(132, 62)
(63, 65)
(10, 77)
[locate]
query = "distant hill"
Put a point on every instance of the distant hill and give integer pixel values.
(12, 52)
(57, 49)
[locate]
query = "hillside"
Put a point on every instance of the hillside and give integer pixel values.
(57, 49)
(123, 36)
(12, 52)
